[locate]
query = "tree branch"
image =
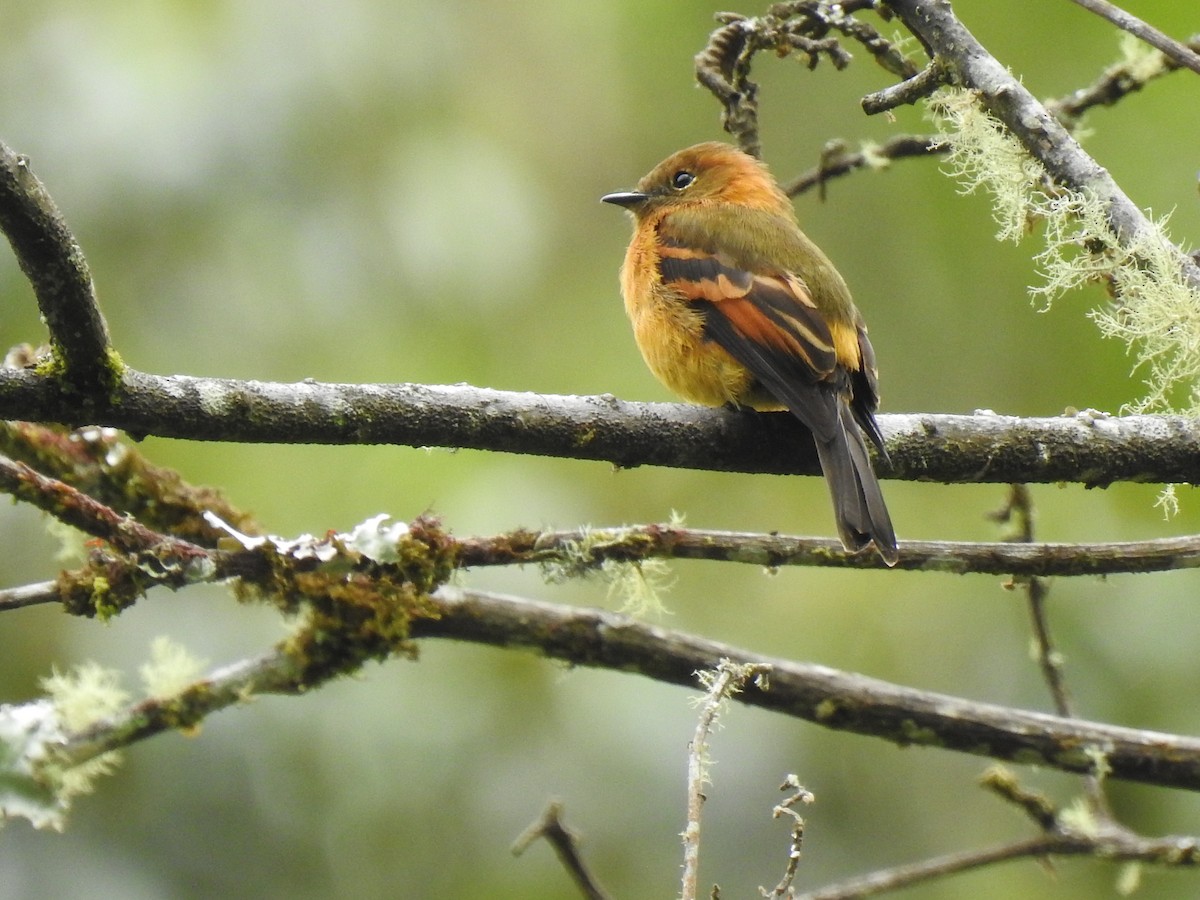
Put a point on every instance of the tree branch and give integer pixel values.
(833, 699)
(102, 463)
(1171, 851)
(818, 694)
(580, 551)
(1042, 136)
(1179, 53)
(55, 266)
(1094, 449)
(843, 161)
(583, 549)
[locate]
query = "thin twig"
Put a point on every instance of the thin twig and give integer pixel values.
(28, 595)
(875, 156)
(1115, 83)
(1020, 508)
(1018, 511)
(939, 867)
(1173, 49)
(799, 795)
(586, 549)
(1001, 782)
(1058, 839)
(721, 683)
(551, 828)
(906, 92)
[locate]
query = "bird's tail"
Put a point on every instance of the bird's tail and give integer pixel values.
(862, 516)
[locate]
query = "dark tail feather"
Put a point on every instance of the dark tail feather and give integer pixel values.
(862, 516)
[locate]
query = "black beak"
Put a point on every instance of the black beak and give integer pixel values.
(627, 199)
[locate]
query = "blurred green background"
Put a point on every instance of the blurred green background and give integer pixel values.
(408, 191)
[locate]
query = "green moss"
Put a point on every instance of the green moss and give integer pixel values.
(51, 364)
(354, 609)
(114, 369)
(102, 589)
(912, 733)
(827, 709)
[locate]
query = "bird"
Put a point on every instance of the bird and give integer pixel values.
(733, 305)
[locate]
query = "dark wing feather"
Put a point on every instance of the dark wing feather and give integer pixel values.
(768, 323)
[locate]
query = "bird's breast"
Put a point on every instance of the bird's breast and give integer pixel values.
(670, 335)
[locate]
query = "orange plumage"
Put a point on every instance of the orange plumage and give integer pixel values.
(731, 303)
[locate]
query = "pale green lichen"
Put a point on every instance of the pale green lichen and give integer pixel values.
(1168, 501)
(636, 586)
(72, 547)
(1158, 313)
(1129, 879)
(170, 670)
(27, 731)
(1080, 816)
(983, 155)
(82, 697)
(85, 695)
(1140, 60)
(872, 158)
(639, 586)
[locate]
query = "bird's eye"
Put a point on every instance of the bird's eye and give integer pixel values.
(682, 179)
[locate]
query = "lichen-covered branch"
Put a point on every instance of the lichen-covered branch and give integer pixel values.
(579, 552)
(1044, 138)
(104, 464)
(83, 512)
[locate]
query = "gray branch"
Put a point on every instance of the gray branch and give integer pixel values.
(1089, 448)
(819, 694)
(55, 266)
(828, 697)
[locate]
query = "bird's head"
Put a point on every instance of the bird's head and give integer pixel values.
(706, 173)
